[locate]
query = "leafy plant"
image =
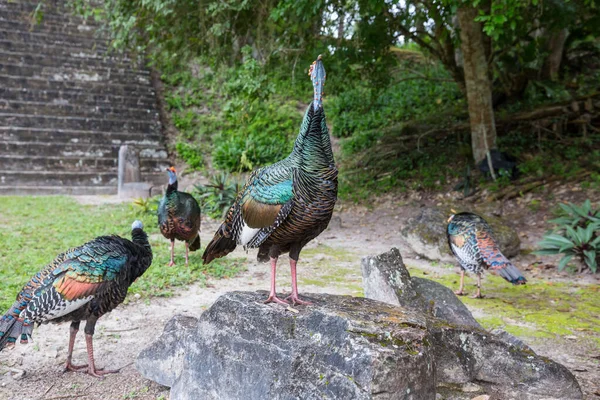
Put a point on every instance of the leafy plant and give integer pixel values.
(218, 195)
(145, 206)
(572, 215)
(577, 236)
(190, 154)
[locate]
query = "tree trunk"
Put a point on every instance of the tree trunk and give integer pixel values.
(479, 90)
(556, 45)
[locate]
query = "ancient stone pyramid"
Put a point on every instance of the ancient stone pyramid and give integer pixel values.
(67, 103)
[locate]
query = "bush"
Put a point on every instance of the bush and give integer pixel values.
(218, 195)
(190, 154)
(576, 236)
(259, 136)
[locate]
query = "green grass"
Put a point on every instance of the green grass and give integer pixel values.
(36, 229)
(540, 309)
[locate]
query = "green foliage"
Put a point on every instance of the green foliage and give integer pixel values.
(28, 222)
(190, 154)
(256, 136)
(218, 195)
(362, 110)
(146, 206)
(577, 235)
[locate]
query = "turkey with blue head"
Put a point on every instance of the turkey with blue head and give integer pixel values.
(81, 284)
(179, 217)
(284, 206)
(472, 242)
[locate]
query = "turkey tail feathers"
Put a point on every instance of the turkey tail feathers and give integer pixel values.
(195, 244)
(512, 274)
(12, 326)
(218, 247)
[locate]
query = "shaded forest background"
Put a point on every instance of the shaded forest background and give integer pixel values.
(420, 93)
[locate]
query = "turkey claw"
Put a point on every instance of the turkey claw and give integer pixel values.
(296, 300)
(275, 299)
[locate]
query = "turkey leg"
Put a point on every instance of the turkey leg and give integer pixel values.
(294, 296)
(273, 296)
(172, 262)
(460, 291)
(73, 333)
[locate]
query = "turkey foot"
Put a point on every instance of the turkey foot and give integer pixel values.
(170, 264)
(74, 368)
(296, 300)
(274, 299)
(100, 372)
(459, 293)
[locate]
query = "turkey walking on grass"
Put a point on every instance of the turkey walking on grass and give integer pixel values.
(179, 217)
(81, 284)
(472, 242)
(284, 206)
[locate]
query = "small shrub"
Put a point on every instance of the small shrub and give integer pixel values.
(190, 154)
(147, 206)
(576, 236)
(218, 195)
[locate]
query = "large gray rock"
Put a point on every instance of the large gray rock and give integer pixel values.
(426, 234)
(163, 362)
(385, 278)
(342, 348)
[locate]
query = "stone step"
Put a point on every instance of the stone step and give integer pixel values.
(50, 49)
(74, 97)
(96, 64)
(84, 164)
(20, 23)
(65, 73)
(32, 135)
(18, 36)
(78, 123)
(37, 190)
(50, 16)
(76, 150)
(45, 108)
(18, 82)
(68, 178)
(50, 178)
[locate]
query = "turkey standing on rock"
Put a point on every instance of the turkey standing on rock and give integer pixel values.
(82, 283)
(179, 217)
(470, 239)
(284, 206)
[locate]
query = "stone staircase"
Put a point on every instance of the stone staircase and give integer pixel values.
(67, 104)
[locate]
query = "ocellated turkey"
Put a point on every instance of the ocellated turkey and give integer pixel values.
(179, 217)
(472, 242)
(81, 284)
(284, 206)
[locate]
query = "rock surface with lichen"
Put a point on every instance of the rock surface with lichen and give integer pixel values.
(385, 278)
(342, 348)
(426, 234)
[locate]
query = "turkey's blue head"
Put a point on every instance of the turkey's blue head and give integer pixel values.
(317, 75)
(137, 224)
(172, 175)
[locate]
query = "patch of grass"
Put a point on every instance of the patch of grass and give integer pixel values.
(36, 229)
(538, 309)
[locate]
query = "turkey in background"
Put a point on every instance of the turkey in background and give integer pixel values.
(179, 217)
(472, 243)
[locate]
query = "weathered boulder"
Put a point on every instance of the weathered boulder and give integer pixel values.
(341, 348)
(163, 362)
(426, 234)
(385, 278)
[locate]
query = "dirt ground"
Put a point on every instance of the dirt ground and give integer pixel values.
(330, 264)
